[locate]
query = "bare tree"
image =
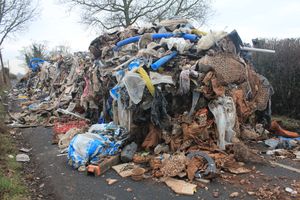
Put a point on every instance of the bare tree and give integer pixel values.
(109, 14)
(14, 15)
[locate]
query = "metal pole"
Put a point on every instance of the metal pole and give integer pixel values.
(257, 50)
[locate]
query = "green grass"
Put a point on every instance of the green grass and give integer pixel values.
(12, 186)
(288, 123)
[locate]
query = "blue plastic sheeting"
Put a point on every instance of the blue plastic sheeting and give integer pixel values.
(160, 62)
(34, 63)
(288, 139)
(186, 36)
(134, 64)
(100, 140)
(114, 92)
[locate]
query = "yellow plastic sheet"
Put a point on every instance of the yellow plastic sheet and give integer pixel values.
(147, 80)
(198, 32)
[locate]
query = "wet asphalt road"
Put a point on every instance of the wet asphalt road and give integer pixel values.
(66, 183)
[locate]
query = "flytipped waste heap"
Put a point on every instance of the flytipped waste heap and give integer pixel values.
(178, 101)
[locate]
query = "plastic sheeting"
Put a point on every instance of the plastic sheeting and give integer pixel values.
(100, 140)
(224, 112)
(135, 86)
(210, 39)
(179, 44)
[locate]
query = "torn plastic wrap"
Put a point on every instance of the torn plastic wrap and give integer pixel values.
(100, 140)
(135, 86)
(224, 112)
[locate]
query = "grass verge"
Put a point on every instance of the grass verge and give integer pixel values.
(12, 186)
(288, 123)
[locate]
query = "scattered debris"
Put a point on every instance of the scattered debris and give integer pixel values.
(216, 194)
(138, 173)
(297, 153)
(125, 169)
(180, 186)
(111, 181)
(100, 168)
(168, 100)
(10, 156)
(25, 150)
(22, 158)
(128, 152)
(238, 170)
(234, 194)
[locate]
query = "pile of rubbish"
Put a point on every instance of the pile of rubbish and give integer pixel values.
(167, 100)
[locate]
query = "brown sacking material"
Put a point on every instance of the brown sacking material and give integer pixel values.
(194, 165)
(228, 68)
(193, 130)
(242, 106)
(153, 137)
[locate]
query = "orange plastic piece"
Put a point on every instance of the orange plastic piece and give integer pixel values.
(276, 129)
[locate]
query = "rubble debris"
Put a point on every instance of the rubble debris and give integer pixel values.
(99, 168)
(278, 152)
(141, 157)
(272, 143)
(138, 173)
(216, 194)
(110, 197)
(161, 148)
(210, 171)
(125, 169)
(65, 139)
(266, 192)
(63, 126)
(25, 150)
(173, 165)
(111, 181)
(297, 153)
(180, 186)
(22, 158)
(234, 194)
(238, 170)
(171, 100)
(128, 152)
(290, 190)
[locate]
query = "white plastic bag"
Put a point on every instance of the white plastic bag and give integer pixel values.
(224, 112)
(179, 43)
(157, 78)
(210, 39)
(135, 86)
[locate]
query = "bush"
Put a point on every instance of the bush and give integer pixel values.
(283, 71)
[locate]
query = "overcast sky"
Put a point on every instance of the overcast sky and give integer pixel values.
(251, 18)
